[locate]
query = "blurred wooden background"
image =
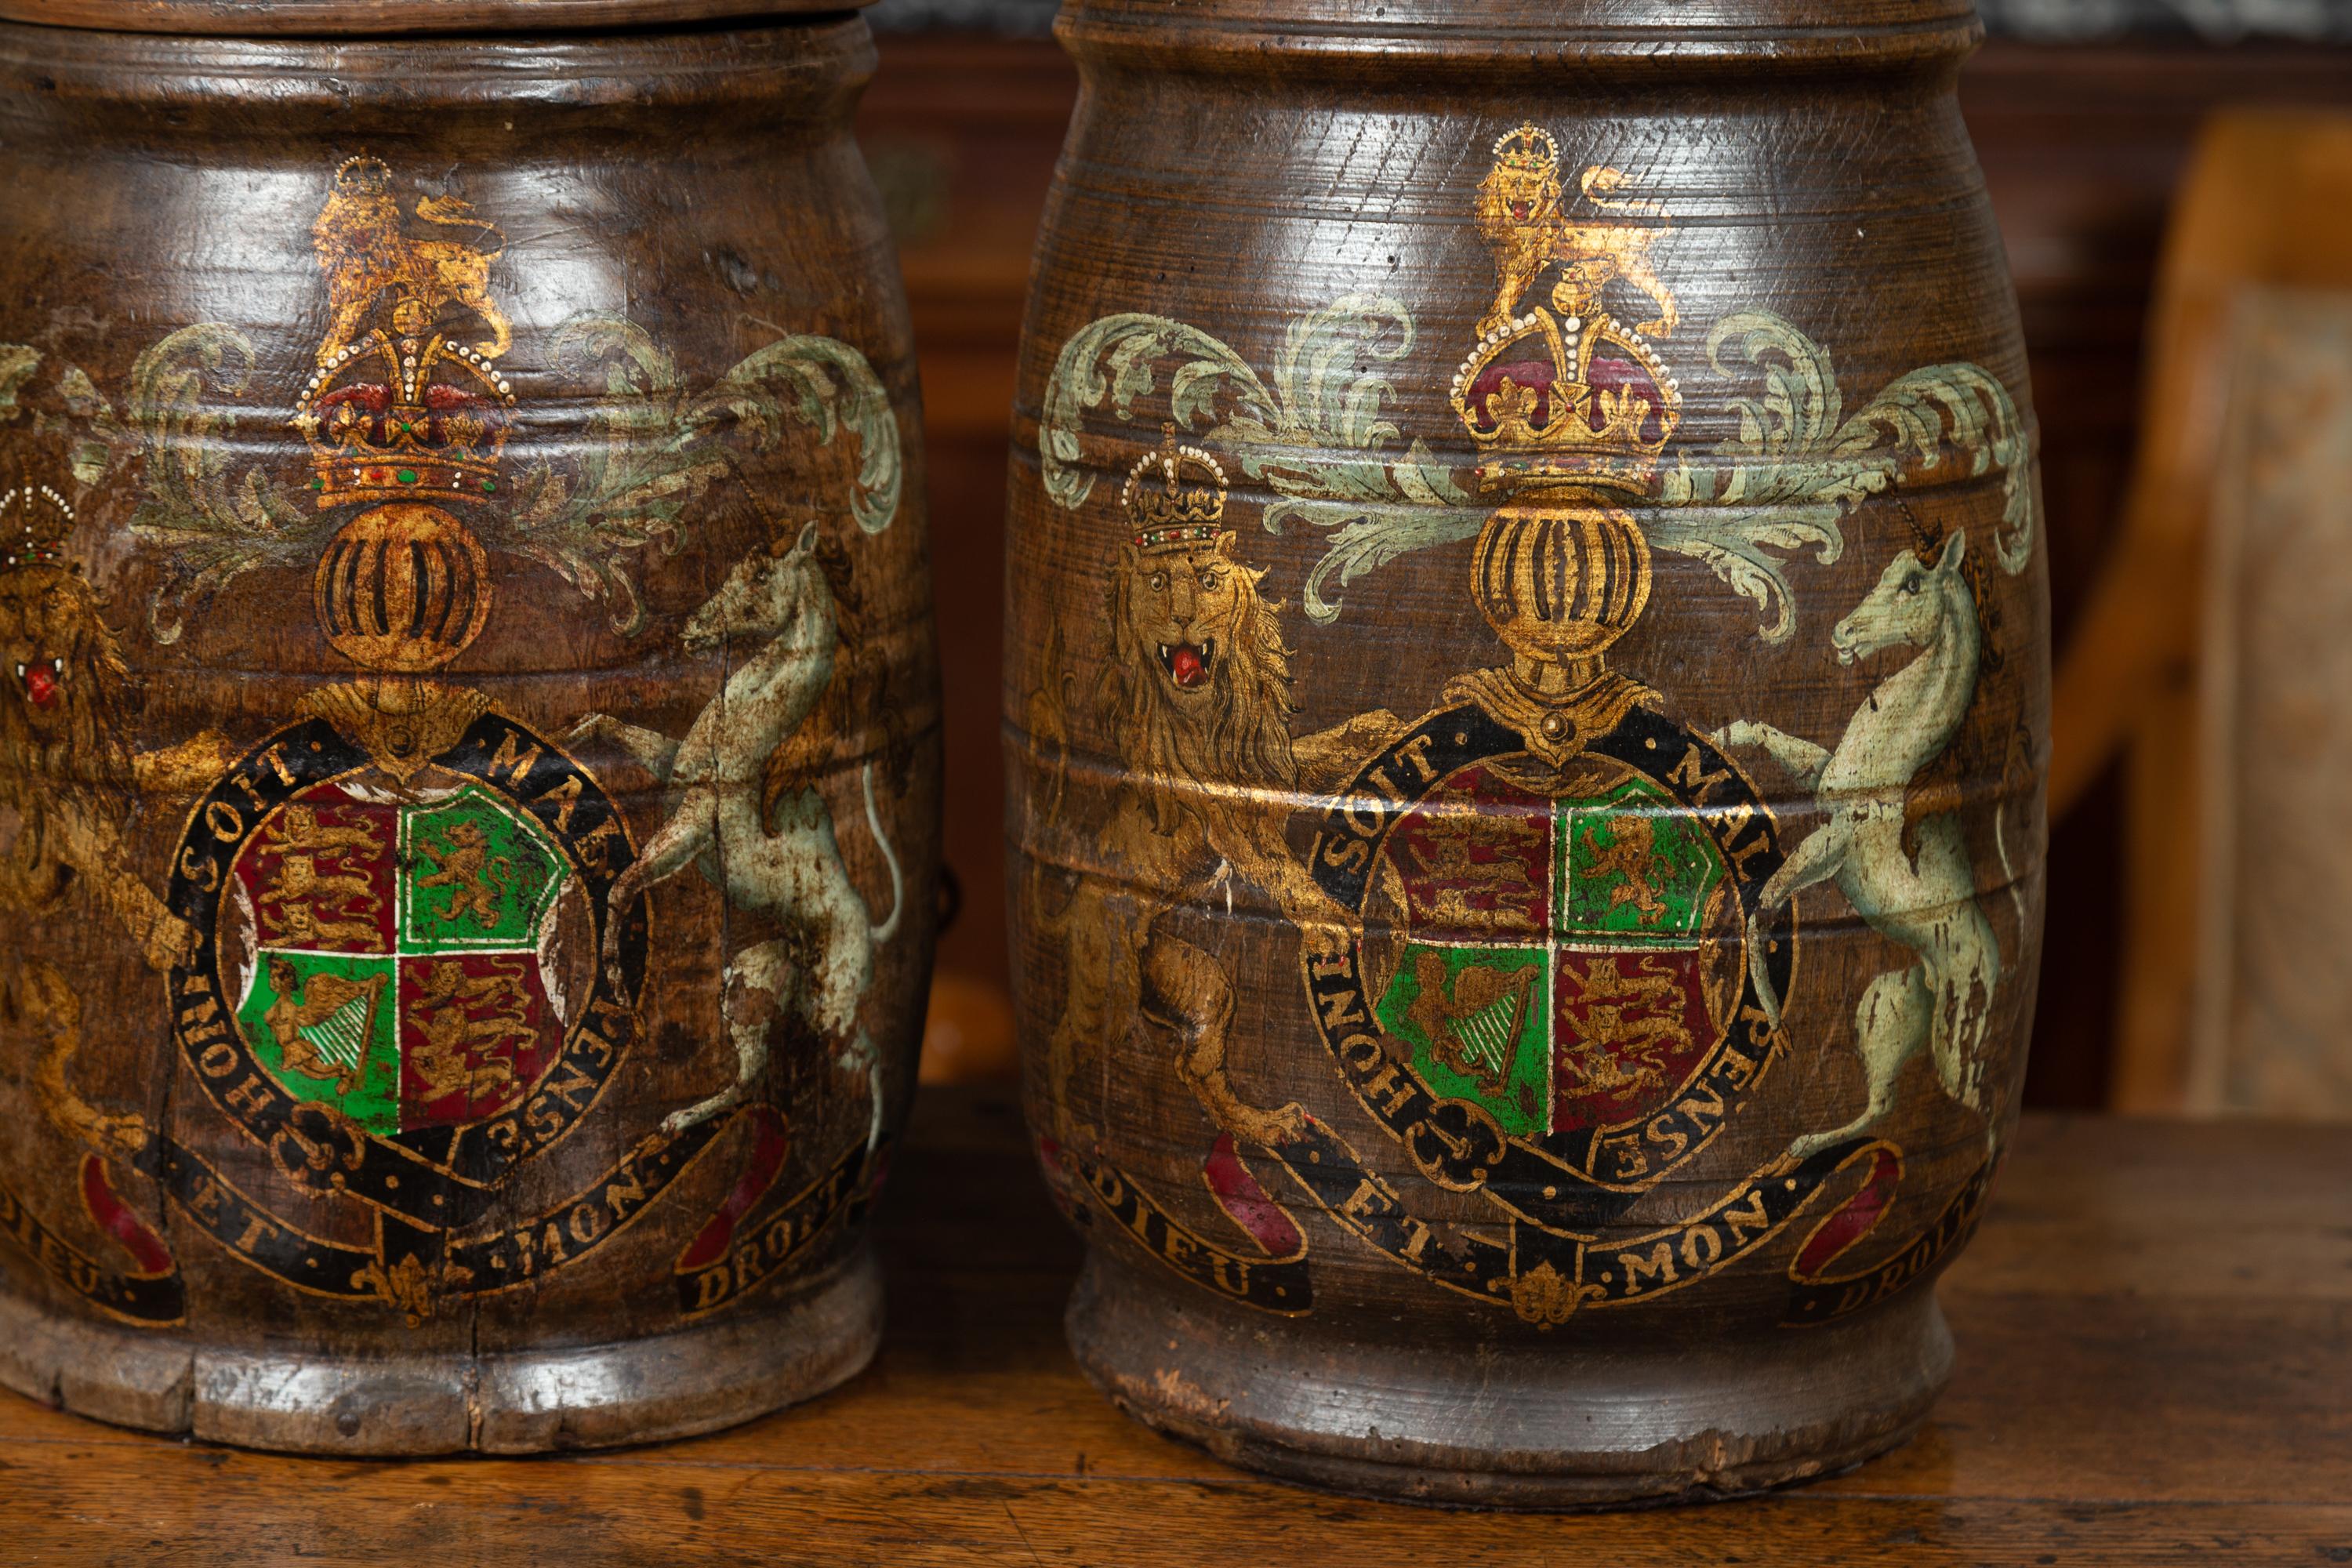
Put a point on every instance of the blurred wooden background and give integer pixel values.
(2082, 144)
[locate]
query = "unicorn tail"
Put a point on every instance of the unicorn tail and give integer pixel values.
(2009, 874)
(888, 928)
(1599, 184)
(2001, 830)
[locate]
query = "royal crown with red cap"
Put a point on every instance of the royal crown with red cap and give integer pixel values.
(35, 522)
(402, 412)
(1530, 149)
(1175, 497)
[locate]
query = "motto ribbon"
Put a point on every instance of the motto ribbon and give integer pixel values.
(1277, 1282)
(150, 1296)
(1818, 1296)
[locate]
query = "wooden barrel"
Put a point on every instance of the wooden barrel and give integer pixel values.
(469, 757)
(1526, 698)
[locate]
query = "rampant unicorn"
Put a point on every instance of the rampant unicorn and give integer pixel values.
(760, 830)
(1927, 902)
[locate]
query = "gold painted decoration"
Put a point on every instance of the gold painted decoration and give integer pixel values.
(366, 253)
(1547, 929)
(402, 587)
(403, 940)
(403, 411)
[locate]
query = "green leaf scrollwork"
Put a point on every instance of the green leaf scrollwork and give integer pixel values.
(653, 448)
(653, 451)
(18, 364)
(1314, 435)
(213, 524)
(1798, 464)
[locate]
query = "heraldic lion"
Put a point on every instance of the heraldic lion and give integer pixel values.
(363, 250)
(1519, 215)
(1199, 702)
(66, 770)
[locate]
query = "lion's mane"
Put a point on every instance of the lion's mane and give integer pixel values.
(92, 754)
(359, 238)
(1522, 245)
(1240, 736)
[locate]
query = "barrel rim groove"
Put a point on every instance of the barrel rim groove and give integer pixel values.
(1412, 50)
(814, 68)
(403, 18)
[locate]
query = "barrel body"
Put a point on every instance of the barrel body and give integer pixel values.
(1527, 699)
(469, 753)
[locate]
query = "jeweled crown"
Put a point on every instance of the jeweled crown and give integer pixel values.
(1175, 497)
(1529, 150)
(1567, 398)
(35, 523)
(405, 414)
(362, 175)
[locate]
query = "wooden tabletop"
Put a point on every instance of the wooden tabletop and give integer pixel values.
(2154, 1334)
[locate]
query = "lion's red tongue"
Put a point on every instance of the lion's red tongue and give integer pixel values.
(41, 684)
(1186, 665)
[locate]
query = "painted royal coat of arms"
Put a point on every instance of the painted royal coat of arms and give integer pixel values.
(1547, 914)
(406, 932)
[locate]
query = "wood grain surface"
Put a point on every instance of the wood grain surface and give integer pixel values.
(670, 298)
(393, 18)
(1359, 696)
(2153, 1360)
(2081, 148)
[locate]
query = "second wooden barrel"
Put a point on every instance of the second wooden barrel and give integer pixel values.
(1527, 695)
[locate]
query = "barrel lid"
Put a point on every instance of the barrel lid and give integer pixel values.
(395, 18)
(1532, 32)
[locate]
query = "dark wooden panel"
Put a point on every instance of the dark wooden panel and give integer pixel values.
(2082, 146)
(962, 133)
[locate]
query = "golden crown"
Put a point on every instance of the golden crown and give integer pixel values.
(405, 415)
(1530, 149)
(362, 175)
(1567, 399)
(1175, 497)
(35, 523)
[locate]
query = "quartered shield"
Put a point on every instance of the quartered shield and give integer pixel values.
(403, 965)
(1562, 960)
